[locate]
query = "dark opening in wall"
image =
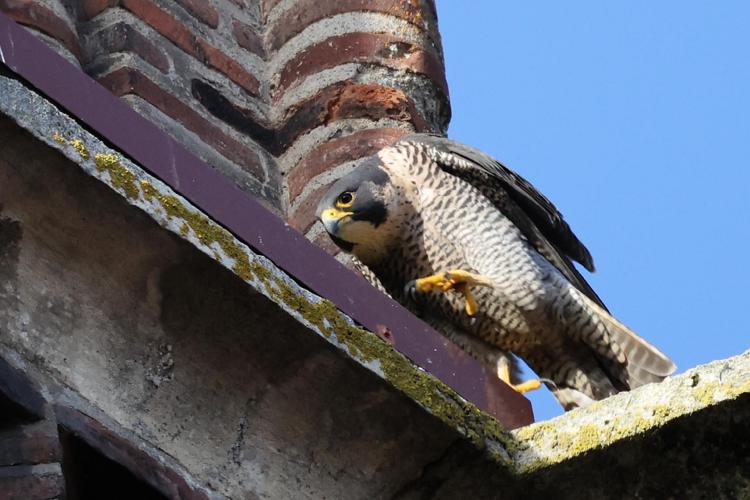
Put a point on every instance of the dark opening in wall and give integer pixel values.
(13, 414)
(89, 475)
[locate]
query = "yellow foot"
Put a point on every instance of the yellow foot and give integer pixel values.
(454, 279)
(503, 373)
(529, 385)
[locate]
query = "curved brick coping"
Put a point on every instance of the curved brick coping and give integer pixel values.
(305, 13)
(124, 81)
(41, 18)
(220, 199)
(374, 48)
(166, 24)
(338, 101)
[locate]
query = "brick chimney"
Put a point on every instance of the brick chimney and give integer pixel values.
(280, 96)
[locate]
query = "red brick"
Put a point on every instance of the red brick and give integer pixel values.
(92, 8)
(130, 81)
(304, 217)
(338, 151)
(242, 119)
(202, 10)
(348, 100)
(326, 243)
(338, 101)
(25, 482)
(182, 37)
(375, 102)
(35, 15)
(306, 12)
(30, 444)
(122, 37)
(231, 68)
(381, 49)
(267, 6)
(171, 480)
(248, 38)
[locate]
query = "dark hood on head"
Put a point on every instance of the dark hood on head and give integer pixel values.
(369, 171)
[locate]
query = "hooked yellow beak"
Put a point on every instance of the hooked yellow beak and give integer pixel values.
(334, 214)
(331, 218)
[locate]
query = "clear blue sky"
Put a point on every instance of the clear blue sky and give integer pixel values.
(634, 119)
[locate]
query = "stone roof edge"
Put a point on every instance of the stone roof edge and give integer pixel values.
(220, 199)
(50, 125)
(528, 449)
(629, 414)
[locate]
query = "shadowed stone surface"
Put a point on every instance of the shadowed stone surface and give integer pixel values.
(182, 218)
(137, 337)
(29, 444)
(182, 353)
(31, 482)
(687, 437)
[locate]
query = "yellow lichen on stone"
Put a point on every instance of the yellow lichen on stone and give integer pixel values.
(205, 230)
(106, 161)
(741, 389)
(534, 432)
(367, 347)
(705, 393)
(565, 444)
(78, 145)
(625, 416)
(120, 176)
(149, 191)
(710, 392)
(662, 413)
(587, 438)
(324, 316)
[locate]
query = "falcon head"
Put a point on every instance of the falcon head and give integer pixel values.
(359, 211)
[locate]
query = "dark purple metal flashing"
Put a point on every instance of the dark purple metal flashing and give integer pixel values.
(219, 198)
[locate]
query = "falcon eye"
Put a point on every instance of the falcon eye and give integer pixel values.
(345, 199)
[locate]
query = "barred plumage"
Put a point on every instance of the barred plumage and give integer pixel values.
(427, 205)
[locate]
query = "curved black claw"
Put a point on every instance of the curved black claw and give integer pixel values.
(548, 383)
(410, 289)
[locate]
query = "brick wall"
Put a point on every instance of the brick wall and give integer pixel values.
(282, 96)
(30, 459)
(30, 453)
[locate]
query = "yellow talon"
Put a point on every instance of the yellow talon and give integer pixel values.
(454, 279)
(529, 385)
(503, 373)
(430, 282)
(471, 303)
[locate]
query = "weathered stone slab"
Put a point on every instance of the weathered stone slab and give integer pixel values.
(221, 370)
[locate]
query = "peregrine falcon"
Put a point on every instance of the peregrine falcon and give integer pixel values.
(477, 251)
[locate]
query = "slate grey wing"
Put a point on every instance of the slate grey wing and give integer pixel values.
(544, 214)
(536, 217)
(427, 205)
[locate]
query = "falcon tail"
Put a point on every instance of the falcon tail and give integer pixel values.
(645, 362)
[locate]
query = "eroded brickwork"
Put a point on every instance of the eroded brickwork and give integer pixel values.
(30, 452)
(282, 96)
